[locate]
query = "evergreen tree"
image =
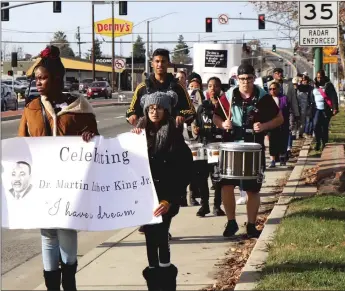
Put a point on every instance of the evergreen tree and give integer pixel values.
(139, 48)
(181, 52)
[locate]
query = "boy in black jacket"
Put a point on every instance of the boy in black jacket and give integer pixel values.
(207, 133)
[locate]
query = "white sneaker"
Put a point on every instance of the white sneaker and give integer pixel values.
(241, 201)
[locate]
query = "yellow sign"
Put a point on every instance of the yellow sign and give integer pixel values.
(330, 50)
(121, 27)
(330, 60)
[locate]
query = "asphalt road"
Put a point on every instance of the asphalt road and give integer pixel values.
(19, 246)
(302, 66)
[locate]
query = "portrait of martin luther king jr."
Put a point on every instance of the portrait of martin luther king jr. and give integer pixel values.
(20, 180)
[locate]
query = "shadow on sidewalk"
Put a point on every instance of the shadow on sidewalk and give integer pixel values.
(178, 240)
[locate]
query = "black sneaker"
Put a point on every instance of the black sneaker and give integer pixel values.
(230, 229)
(252, 231)
(141, 229)
(282, 161)
(217, 211)
(194, 202)
(203, 211)
(213, 188)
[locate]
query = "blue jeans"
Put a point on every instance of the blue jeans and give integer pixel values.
(321, 124)
(309, 125)
(56, 241)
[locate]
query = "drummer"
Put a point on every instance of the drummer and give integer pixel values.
(252, 113)
(207, 133)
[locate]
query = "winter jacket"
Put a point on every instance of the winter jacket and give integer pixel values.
(170, 160)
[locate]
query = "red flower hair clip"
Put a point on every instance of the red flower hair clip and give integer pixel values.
(50, 52)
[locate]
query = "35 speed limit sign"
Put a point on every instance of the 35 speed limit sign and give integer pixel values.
(318, 13)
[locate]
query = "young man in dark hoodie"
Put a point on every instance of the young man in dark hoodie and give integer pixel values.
(162, 81)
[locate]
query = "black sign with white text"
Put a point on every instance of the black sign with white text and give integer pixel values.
(216, 58)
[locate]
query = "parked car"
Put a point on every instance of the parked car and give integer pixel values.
(9, 99)
(19, 87)
(33, 91)
(84, 85)
(99, 89)
(24, 80)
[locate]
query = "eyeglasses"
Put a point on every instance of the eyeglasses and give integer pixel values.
(158, 109)
(248, 79)
(272, 89)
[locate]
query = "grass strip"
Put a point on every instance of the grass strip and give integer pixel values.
(308, 252)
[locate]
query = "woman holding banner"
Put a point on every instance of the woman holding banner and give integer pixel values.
(56, 114)
(171, 166)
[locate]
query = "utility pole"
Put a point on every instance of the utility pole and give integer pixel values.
(77, 36)
(120, 51)
(112, 47)
(93, 43)
(151, 52)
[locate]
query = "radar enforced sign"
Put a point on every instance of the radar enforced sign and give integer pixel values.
(321, 36)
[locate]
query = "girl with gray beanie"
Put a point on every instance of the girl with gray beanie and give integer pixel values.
(170, 164)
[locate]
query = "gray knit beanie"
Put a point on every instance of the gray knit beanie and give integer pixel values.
(167, 100)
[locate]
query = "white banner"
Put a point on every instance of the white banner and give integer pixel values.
(64, 182)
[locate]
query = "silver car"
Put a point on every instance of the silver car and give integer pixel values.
(33, 91)
(9, 99)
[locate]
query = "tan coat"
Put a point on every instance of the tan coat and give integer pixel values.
(72, 120)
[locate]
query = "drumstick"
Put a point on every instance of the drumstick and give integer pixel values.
(221, 105)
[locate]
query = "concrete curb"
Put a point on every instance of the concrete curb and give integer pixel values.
(252, 270)
(95, 253)
(19, 116)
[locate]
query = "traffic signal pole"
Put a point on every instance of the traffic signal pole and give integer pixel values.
(318, 59)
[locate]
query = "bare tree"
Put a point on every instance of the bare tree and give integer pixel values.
(287, 13)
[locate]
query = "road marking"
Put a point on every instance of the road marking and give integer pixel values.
(122, 116)
(97, 121)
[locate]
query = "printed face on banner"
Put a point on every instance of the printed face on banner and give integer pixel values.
(20, 179)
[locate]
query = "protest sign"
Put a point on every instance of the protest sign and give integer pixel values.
(64, 182)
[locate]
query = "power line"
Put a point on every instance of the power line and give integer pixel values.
(163, 41)
(174, 32)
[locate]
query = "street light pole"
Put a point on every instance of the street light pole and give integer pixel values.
(112, 47)
(93, 43)
(147, 60)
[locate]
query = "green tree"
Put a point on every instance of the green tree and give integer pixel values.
(139, 48)
(60, 40)
(98, 51)
(181, 52)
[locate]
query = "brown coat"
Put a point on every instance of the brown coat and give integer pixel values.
(74, 119)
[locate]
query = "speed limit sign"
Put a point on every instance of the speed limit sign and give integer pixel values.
(318, 13)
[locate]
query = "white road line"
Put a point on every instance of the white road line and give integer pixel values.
(97, 121)
(119, 117)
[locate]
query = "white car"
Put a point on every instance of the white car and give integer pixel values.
(19, 87)
(9, 99)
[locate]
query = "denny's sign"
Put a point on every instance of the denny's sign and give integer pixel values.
(121, 27)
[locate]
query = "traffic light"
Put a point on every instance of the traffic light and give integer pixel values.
(123, 8)
(208, 24)
(274, 48)
(14, 60)
(5, 14)
(262, 21)
(10, 73)
(57, 6)
(295, 51)
(264, 60)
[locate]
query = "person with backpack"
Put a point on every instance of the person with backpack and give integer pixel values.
(325, 102)
(161, 81)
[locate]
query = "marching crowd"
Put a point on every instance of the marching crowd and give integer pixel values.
(176, 113)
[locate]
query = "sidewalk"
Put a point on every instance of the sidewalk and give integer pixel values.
(197, 247)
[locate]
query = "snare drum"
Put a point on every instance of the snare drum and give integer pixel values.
(198, 151)
(239, 160)
(213, 152)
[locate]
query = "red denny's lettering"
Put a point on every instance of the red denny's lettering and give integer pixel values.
(109, 27)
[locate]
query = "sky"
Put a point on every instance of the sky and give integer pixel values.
(37, 23)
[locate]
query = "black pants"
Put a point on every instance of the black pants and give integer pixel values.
(199, 183)
(217, 187)
(157, 242)
(321, 124)
(278, 142)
